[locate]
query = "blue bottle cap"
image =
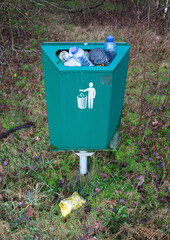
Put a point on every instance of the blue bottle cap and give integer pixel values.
(110, 38)
(74, 50)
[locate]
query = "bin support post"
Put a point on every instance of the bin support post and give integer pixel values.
(83, 161)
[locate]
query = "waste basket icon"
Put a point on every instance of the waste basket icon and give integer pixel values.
(84, 104)
(82, 101)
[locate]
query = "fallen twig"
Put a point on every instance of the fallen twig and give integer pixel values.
(27, 125)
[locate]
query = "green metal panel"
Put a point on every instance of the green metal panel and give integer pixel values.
(74, 124)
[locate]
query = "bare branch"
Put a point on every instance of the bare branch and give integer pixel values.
(141, 98)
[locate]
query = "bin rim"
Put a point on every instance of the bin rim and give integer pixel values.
(51, 48)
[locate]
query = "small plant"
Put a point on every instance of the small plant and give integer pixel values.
(26, 67)
(122, 213)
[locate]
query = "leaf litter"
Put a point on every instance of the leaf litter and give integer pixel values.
(141, 180)
(30, 211)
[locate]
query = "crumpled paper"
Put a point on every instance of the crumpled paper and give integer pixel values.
(71, 203)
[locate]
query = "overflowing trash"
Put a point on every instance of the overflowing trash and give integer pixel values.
(96, 57)
(71, 203)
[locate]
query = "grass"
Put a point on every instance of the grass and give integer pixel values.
(119, 206)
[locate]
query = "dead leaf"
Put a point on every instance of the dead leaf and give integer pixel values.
(104, 175)
(5, 162)
(164, 199)
(30, 212)
(29, 193)
(36, 138)
(150, 160)
(87, 210)
(122, 201)
(155, 123)
(24, 218)
(98, 225)
(4, 95)
(25, 73)
(24, 137)
(154, 148)
(27, 149)
(4, 174)
(24, 169)
(1, 168)
(167, 184)
(21, 204)
(142, 199)
(136, 203)
(90, 238)
(141, 180)
(97, 190)
(119, 191)
(29, 132)
(113, 201)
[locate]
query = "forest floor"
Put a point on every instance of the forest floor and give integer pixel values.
(126, 191)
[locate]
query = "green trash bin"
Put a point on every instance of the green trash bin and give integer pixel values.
(84, 104)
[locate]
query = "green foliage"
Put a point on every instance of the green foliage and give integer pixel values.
(26, 67)
(156, 100)
(71, 4)
(113, 7)
(122, 213)
(14, 117)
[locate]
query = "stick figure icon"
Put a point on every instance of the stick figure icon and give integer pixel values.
(91, 94)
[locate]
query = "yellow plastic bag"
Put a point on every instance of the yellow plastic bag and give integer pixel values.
(71, 203)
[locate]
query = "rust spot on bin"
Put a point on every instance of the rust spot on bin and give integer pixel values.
(105, 80)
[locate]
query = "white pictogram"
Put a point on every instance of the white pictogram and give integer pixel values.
(82, 101)
(82, 98)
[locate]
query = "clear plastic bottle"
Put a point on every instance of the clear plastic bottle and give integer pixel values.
(110, 48)
(80, 56)
(72, 63)
(64, 56)
(67, 60)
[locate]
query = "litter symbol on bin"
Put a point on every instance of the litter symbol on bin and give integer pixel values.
(82, 98)
(82, 101)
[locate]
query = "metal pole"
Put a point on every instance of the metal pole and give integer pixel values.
(83, 161)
